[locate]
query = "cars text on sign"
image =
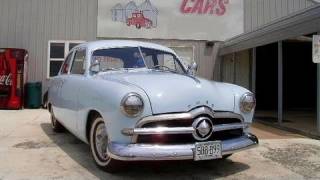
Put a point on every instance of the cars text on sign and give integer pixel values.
(213, 7)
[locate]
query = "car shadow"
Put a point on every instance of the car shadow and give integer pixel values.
(80, 152)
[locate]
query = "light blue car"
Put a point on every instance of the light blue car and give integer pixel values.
(135, 101)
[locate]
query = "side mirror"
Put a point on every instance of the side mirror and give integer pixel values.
(95, 66)
(192, 68)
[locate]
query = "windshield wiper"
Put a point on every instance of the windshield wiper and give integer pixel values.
(164, 68)
(111, 69)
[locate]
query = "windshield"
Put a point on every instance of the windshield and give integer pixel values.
(118, 58)
(161, 60)
(135, 57)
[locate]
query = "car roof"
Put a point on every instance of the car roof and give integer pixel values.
(94, 45)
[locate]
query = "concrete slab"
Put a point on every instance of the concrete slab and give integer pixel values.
(29, 149)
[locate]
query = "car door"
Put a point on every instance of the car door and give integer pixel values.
(56, 97)
(70, 89)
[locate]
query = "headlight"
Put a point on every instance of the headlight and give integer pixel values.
(247, 102)
(132, 105)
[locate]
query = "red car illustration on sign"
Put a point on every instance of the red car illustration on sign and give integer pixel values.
(139, 21)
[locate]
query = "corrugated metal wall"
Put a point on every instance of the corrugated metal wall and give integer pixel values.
(235, 68)
(260, 12)
(30, 24)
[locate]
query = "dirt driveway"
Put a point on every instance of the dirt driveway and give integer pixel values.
(30, 150)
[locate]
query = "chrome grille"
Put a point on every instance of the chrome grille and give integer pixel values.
(187, 138)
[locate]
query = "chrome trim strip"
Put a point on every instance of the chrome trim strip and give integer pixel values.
(178, 130)
(163, 130)
(220, 115)
(148, 152)
(176, 116)
(225, 127)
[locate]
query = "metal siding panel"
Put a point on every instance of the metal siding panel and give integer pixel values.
(278, 6)
(4, 21)
(47, 36)
(76, 19)
(56, 14)
(39, 40)
(285, 8)
(254, 16)
(296, 5)
(260, 13)
(26, 24)
(247, 17)
(19, 24)
(69, 17)
(266, 11)
(243, 69)
(302, 4)
(12, 23)
(309, 3)
(290, 6)
(92, 24)
(83, 18)
(273, 10)
(62, 19)
(31, 45)
(297, 24)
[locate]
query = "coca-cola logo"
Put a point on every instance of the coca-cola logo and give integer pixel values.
(6, 80)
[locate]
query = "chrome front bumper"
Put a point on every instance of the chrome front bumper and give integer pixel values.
(151, 152)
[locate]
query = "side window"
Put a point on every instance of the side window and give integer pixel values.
(166, 60)
(65, 66)
(149, 61)
(78, 65)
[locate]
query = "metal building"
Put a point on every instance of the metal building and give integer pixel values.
(230, 42)
(274, 58)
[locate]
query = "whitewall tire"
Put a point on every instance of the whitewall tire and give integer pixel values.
(98, 145)
(55, 124)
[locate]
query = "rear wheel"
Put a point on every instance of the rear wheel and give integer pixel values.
(55, 124)
(98, 145)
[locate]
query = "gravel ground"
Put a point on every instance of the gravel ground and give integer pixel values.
(29, 149)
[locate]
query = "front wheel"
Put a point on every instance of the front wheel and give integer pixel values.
(98, 145)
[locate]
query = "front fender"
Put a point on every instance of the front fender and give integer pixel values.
(105, 97)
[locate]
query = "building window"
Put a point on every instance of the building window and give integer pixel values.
(57, 51)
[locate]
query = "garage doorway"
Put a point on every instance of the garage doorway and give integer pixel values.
(299, 85)
(267, 82)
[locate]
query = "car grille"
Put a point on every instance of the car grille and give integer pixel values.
(188, 138)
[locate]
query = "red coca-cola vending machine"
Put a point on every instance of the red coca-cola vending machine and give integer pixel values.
(13, 76)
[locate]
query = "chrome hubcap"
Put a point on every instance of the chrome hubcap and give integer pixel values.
(101, 141)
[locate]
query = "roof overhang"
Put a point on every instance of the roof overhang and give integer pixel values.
(303, 22)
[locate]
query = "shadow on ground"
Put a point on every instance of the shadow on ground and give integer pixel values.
(80, 153)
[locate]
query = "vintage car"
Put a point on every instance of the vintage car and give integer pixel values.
(135, 101)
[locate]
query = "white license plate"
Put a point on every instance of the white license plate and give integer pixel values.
(207, 150)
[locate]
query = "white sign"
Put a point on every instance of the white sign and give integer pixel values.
(214, 20)
(316, 49)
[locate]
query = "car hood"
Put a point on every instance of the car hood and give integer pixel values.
(170, 92)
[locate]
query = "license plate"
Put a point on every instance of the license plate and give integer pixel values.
(207, 150)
